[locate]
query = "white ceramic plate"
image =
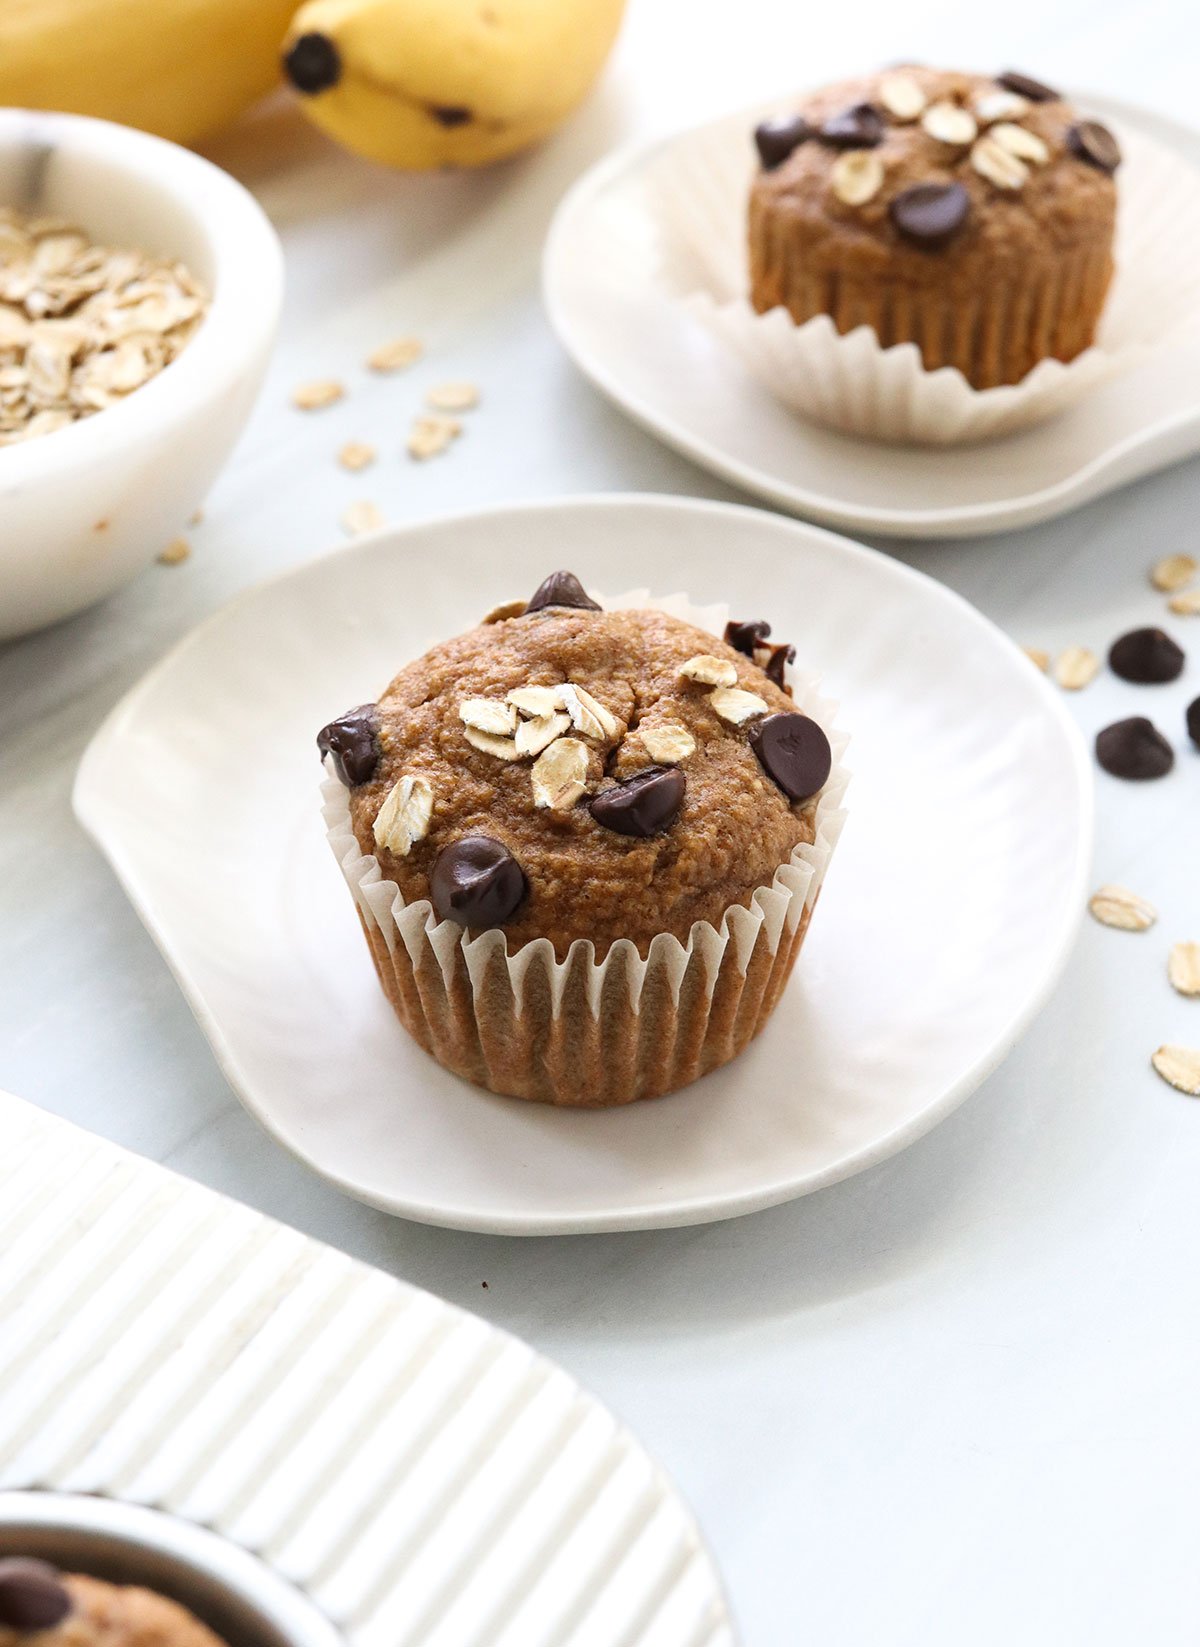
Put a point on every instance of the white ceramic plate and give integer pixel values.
(945, 919)
(422, 1478)
(661, 366)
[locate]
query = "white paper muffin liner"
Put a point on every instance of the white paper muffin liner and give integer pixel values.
(697, 190)
(582, 1031)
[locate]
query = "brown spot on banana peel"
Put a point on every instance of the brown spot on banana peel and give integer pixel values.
(449, 115)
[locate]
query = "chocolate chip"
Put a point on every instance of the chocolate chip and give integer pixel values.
(858, 127)
(562, 589)
(1134, 749)
(745, 636)
(776, 139)
(477, 882)
(793, 750)
(930, 214)
(32, 1595)
(1148, 657)
(1096, 144)
(781, 654)
(351, 740)
(1192, 716)
(645, 804)
(313, 64)
(1026, 86)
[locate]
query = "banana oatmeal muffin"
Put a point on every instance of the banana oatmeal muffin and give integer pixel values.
(588, 824)
(971, 215)
(39, 1605)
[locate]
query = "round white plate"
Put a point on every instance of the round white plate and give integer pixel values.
(401, 1469)
(662, 367)
(945, 919)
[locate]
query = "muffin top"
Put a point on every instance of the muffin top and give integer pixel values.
(920, 175)
(565, 772)
(41, 1607)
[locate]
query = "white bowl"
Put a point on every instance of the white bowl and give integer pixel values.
(87, 507)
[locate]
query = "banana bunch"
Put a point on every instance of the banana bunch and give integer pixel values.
(424, 83)
(181, 68)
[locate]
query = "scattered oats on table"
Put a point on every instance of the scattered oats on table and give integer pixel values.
(1183, 968)
(356, 455)
(362, 516)
(1186, 604)
(1173, 572)
(315, 396)
(81, 325)
(1117, 906)
(1038, 658)
(431, 434)
(1076, 668)
(452, 397)
(396, 355)
(176, 552)
(1180, 1066)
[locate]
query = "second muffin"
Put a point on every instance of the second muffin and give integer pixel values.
(969, 215)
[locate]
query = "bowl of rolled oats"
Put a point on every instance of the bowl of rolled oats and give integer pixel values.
(140, 289)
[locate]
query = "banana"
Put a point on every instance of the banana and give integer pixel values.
(181, 68)
(423, 83)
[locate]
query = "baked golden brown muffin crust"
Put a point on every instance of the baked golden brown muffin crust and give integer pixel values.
(563, 777)
(973, 216)
(40, 1607)
(731, 831)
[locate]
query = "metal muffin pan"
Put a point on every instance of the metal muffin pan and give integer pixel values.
(242, 1600)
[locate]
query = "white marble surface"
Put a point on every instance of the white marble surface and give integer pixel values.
(954, 1400)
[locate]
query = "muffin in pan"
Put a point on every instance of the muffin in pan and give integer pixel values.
(585, 844)
(43, 1607)
(972, 216)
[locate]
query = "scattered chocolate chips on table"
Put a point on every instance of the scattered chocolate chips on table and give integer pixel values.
(930, 214)
(351, 741)
(1192, 717)
(1026, 86)
(776, 139)
(859, 127)
(1091, 141)
(562, 589)
(1134, 749)
(477, 882)
(794, 751)
(33, 1596)
(1148, 657)
(643, 805)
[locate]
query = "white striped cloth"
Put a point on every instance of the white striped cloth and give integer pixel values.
(428, 1480)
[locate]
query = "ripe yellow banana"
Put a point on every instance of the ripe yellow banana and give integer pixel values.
(421, 83)
(181, 68)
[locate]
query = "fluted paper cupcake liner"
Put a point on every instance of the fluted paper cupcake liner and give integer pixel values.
(697, 192)
(582, 1031)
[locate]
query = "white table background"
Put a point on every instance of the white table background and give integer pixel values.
(955, 1400)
